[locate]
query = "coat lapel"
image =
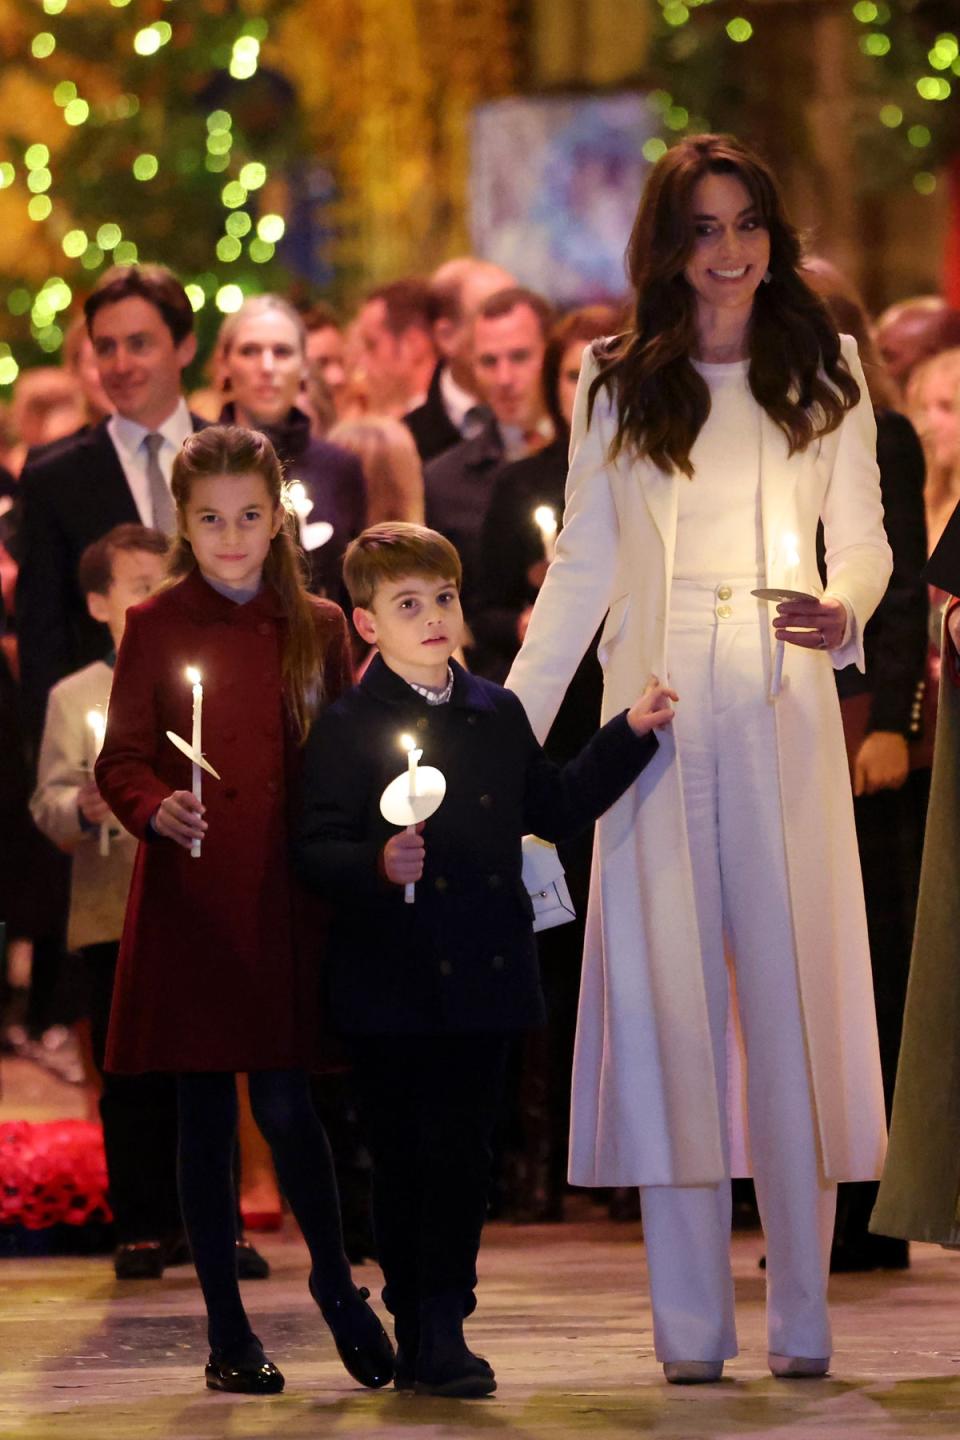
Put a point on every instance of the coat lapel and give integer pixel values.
(660, 493)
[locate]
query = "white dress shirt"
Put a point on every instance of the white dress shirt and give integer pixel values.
(128, 437)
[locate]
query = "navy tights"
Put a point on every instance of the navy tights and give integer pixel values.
(281, 1105)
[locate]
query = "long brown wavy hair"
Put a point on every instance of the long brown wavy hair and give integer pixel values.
(232, 450)
(796, 373)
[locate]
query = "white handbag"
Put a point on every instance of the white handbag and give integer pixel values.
(545, 883)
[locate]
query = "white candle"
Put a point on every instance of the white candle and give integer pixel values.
(97, 723)
(193, 675)
(545, 519)
(414, 756)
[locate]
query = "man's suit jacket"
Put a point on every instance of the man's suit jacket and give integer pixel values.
(430, 425)
(458, 487)
(71, 493)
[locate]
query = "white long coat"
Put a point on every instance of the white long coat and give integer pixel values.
(645, 1109)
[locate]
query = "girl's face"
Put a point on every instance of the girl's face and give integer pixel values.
(731, 246)
(230, 521)
(938, 417)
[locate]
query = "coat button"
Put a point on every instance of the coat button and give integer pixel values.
(494, 882)
(486, 801)
(724, 612)
(422, 723)
(230, 793)
(471, 719)
(440, 883)
(498, 962)
(445, 967)
(272, 787)
(724, 592)
(264, 628)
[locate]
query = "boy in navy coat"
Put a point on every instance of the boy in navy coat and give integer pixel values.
(429, 994)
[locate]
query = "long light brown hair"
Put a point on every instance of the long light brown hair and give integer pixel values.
(797, 372)
(232, 450)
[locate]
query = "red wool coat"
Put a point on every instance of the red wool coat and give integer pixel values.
(219, 962)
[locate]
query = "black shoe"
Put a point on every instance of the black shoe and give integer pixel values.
(445, 1366)
(246, 1371)
(362, 1343)
(140, 1260)
(251, 1265)
(871, 1252)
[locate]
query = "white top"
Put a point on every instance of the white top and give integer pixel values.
(128, 437)
(719, 533)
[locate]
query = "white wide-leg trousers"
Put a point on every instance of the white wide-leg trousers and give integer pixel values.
(726, 746)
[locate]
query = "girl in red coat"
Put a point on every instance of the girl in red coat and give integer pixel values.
(216, 972)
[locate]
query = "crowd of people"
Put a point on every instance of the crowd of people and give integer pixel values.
(399, 465)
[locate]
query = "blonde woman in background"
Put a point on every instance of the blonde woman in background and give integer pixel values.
(392, 472)
(933, 404)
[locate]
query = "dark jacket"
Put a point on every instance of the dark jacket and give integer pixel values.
(457, 490)
(431, 427)
(511, 545)
(462, 957)
(333, 479)
(71, 493)
(895, 639)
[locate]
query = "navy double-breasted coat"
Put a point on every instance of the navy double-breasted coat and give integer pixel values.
(463, 956)
(218, 966)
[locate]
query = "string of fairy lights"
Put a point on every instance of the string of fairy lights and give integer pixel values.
(250, 232)
(906, 85)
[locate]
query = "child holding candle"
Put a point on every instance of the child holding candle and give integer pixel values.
(430, 993)
(138, 1112)
(218, 964)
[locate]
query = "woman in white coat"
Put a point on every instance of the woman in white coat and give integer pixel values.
(726, 898)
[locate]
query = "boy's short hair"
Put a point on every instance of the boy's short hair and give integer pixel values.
(95, 572)
(391, 551)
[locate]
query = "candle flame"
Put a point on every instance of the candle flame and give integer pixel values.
(407, 742)
(98, 723)
(791, 554)
(193, 674)
(545, 518)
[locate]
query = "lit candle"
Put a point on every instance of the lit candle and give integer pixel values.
(414, 756)
(300, 500)
(545, 519)
(791, 560)
(193, 675)
(97, 724)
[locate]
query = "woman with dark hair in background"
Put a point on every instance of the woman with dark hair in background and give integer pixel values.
(708, 442)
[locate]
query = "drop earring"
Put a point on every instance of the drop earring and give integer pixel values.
(768, 277)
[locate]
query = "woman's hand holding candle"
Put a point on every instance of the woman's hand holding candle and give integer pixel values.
(91, 804)
(180, 818)
(811, 623)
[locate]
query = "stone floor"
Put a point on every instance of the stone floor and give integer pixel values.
(563, 1317)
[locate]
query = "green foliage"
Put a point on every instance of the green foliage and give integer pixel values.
(175, 132)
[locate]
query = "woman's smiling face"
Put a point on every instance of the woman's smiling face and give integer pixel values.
(731, 248)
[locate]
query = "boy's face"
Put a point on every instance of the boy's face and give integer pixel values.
(136, 574)
(417, 623)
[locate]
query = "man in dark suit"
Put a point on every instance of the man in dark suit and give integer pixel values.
(453, 410)
(72, 492)
(509, 336)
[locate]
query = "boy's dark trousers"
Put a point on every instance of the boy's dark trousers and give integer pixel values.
(139, 1117)
(429, 1104)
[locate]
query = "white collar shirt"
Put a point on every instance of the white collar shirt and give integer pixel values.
(128, 437)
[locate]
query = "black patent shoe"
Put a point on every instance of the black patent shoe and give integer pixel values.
(362, 1343)
(139, 1260)
(246, 1371)
(251, 1265)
